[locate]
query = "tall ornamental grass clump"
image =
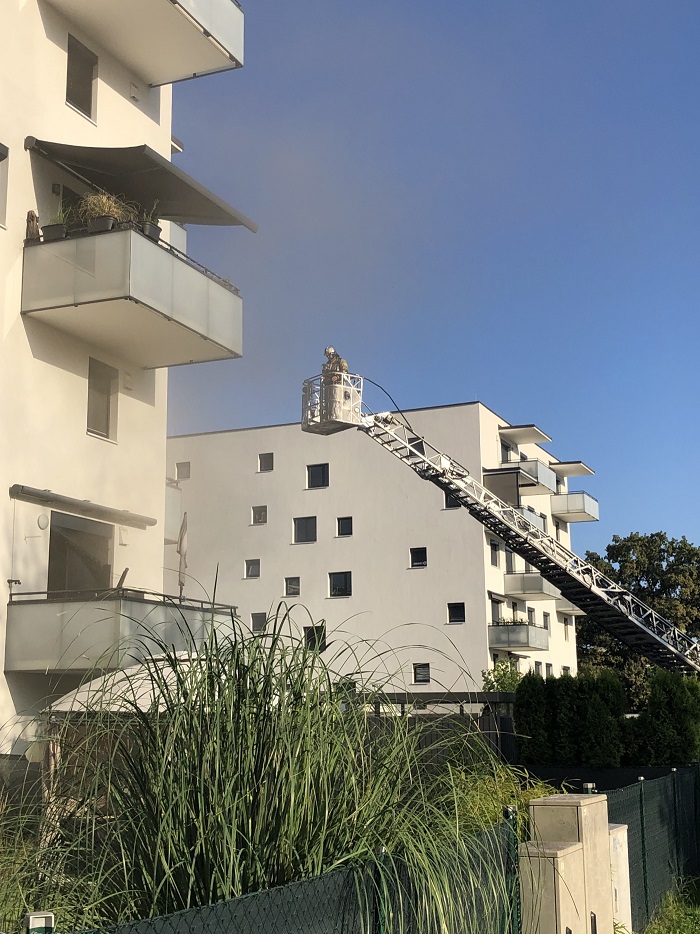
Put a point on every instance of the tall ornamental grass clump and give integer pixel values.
(243, 764)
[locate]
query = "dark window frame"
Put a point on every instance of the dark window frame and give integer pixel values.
(339, 529)
(317, 476)
(262, 468)
(421, 672)
(342, 588)
(304, 530)
(256, 516)
(315, 637)
(250, 566)
(81, 77)
(290, 589)
(415, 559)
(455, 616)
(255, 622)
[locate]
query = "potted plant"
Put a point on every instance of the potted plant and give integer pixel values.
(57, 228)
(149, 222)
(101, 211)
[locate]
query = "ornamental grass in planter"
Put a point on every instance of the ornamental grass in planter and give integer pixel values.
(101, 211)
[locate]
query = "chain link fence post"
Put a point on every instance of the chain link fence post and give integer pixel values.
(512, 921)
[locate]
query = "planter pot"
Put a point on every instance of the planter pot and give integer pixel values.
(100, 224)
(54, 232)
(151, 230)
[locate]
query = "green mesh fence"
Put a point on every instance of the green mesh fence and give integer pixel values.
(349, 901)
(662, 834)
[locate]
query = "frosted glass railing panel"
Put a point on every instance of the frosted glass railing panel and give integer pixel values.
(190, 298)
(225, 316)
(222, 19)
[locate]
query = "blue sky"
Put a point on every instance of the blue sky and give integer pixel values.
(494, 200)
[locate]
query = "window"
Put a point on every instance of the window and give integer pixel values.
(81, 77)
(344, 526)
(259, 515)
(419, 557)
(182, 470)
(456, 613)
(4, 164)
(531, 619)
(565, 670)
(495, 553)
(292, 586)
(304, 529)
(315, 637)
(510, 561)
(496, 608)
(266, 462)
(544, 522)
(252, 567)
(258, 621)
(550, 670)
(567, 622)
(103, 389)
(557, 530)
(514, 608)
(340, 584)
(538, 668)
(545, 620)
(421, 673)
(316, 476)
(505, 452)
(80, 553)
(451, 501)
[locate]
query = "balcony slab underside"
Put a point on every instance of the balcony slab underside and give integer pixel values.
(518, 638)
(529, 585)
(136, 300)
(575, 507)
(163, 41)
(100, 634)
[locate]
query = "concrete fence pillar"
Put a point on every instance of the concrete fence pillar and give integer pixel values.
(620, 875)
(552, 888)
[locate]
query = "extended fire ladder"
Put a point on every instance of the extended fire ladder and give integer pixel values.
(333, 402)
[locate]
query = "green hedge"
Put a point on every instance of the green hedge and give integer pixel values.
(581, 721)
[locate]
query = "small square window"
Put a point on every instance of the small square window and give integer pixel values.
(292, 586)
(182, 470)
(252, 567)
(344, 526)
(259, 515)
(316, 476)
(340, 584)
(315, 637)
(531, 618)
(103, 391)
(266, 462)
(81, 76)
(419, 557)
(304, 529)
(421, 673)
(258, 621)
(495, 553)
(549, 670)
(538, 668)
(565, 670)
(456, 613)
(451, 501)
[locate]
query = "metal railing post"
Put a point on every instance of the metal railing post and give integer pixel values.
(512, 922)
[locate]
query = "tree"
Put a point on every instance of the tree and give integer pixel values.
(663, 572)
(531, 721)
(502, 677)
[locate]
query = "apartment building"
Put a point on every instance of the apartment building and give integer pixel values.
(377, 556)
(93, 311)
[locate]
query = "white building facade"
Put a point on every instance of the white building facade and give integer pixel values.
(351, 534)
(90, 321)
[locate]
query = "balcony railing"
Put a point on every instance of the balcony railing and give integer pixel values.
(529, 585)
(513, 636)
(163, 42)
(575, 507)
(106, 630)
(143, 301)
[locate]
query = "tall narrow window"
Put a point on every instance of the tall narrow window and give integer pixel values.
(103, 385)
(4, 163)
(538, 668)
(550, 670)
(566, 628)
(495, 553)
(510, 561)
(531, 619)
(81, 77)
(545, 620)
(496, 611)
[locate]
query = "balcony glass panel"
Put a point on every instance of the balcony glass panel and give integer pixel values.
(518, 637)
(135, 298)
(543, 478)
(163, 42)
(575, 507)
(529, 585)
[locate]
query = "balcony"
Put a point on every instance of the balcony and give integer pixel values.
(529, 585)
(534, 517)
(536, 478)
(514, 479)
(74, 632)
(518, 637)
(136, 299)
(575, 507)
(163, 41)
